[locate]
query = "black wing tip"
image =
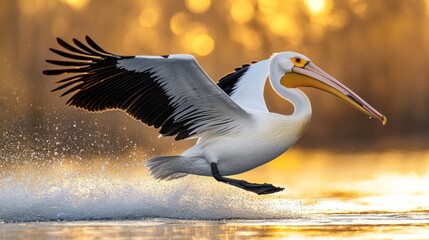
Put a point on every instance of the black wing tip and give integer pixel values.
(59, 71)
(96, 47)
(78, 42)
(90, 41)
(69, 63)
(46, 72)
(88, 49)
(59, 40)
(53, 50)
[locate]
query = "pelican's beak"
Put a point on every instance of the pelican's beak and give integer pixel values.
(312, 76)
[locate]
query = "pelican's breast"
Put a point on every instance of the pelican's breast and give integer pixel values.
(270, 136)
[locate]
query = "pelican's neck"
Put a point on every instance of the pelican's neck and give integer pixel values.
(300, 101)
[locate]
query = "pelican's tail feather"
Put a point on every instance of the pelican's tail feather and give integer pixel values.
(166, 167)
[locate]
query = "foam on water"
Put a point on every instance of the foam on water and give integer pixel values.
(67, 191)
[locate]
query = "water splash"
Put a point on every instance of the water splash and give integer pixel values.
(100, 190)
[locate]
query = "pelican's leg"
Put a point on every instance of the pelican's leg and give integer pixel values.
(252, 187)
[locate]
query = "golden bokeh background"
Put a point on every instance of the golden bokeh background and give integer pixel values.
(378, 48)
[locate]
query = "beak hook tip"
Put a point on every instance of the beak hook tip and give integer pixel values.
(384, 119)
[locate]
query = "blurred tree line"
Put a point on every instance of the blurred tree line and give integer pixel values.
(380, 49)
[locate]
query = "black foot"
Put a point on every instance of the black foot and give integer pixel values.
(251, 187)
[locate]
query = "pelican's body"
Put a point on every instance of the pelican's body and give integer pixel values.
(234, 128)
(269, 136)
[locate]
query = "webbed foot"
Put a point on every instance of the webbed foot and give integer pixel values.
(251, 187)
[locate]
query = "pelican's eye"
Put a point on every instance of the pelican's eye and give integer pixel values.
(299, 62)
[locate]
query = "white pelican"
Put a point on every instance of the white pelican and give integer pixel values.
(234, 128)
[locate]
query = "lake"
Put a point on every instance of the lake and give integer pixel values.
(371, 195)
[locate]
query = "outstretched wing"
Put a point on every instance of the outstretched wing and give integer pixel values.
(246, 85)
(170, 92)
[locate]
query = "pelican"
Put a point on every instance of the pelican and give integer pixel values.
(235, 132)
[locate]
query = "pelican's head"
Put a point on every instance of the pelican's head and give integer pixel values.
(301, 72)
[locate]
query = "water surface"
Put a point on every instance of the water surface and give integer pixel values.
(322, 226)
(101, 198)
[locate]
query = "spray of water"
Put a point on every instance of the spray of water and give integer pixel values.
(68, 190)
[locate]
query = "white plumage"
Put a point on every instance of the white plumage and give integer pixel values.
(235, 130)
